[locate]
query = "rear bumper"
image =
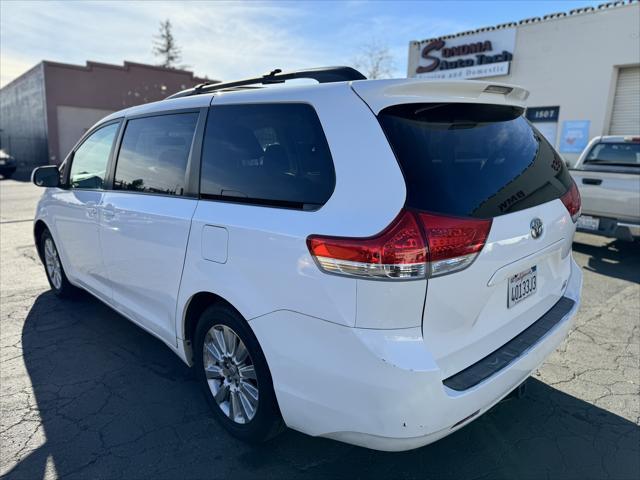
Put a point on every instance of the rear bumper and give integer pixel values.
(634, 228)
(515, 348)
(382, 389)
(611, 227)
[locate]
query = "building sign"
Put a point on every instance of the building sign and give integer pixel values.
(483, 54)
(575, 136)
(545, 119)
(543, 114)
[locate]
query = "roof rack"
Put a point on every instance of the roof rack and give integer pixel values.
(321, 75)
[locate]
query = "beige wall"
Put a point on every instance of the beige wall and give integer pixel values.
(572, 62)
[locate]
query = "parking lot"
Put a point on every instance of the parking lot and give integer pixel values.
(86, 394)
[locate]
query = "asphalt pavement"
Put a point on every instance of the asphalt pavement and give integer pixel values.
(86, 394)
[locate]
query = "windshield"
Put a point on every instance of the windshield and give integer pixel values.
(623, 154)
(472, 159)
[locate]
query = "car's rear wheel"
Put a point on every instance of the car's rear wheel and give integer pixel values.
(235, 377)
(53, 266)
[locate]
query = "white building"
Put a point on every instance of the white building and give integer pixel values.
(582, 68)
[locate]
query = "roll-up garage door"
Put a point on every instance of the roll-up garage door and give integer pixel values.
(625, 118)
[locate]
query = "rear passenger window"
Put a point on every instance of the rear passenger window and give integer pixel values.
(154, 153)
(270, 154)
(618, 154)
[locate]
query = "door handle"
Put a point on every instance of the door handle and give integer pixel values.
(108, 212)
(92, 209)
(592, 181)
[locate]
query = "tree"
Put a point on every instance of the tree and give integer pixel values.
(374, 61)
(165, 47)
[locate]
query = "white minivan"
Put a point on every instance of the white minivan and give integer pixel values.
(373, 261)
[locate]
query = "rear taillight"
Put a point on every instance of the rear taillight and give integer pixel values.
(572, 201)
(399, 252)
(453, 242)
(414, 245)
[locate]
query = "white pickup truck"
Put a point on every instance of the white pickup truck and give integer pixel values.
(608, 177)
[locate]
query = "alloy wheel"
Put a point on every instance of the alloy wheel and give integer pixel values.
(230, 374)
(52, 262)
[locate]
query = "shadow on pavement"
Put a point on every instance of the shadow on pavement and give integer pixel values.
(115, 403)
(617, 259)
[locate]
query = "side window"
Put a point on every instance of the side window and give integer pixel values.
(89, 163)
(154, 152)
(271, 154)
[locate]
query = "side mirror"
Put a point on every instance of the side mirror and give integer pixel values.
(47, 176)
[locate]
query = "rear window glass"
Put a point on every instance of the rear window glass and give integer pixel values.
(472, 159)
(619, 154)
(266, 154)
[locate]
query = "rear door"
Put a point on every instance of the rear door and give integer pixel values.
(483, 161)
(145, 219)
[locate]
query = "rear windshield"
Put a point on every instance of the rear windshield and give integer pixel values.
(619, 154)
(472, 159)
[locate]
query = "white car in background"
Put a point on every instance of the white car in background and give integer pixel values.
(378, 262)
(608, 177)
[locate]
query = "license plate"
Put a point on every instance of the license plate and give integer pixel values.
(588, 223)
(521, 286)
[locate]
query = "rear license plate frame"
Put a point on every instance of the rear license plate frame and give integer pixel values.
(588, 222)
(522, 286)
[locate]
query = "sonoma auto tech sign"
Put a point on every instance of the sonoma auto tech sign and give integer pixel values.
(484, 54)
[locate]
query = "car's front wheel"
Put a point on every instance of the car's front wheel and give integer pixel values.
(53, 266)
(234, 375)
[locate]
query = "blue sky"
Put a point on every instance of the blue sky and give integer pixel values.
(226, 40)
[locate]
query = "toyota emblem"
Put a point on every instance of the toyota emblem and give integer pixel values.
(536, 227)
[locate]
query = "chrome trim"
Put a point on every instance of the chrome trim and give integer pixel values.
(450, 265)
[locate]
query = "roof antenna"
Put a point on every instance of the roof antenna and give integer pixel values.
(270, 77)
(198, 88)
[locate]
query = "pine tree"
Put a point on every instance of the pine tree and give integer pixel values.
(164, 46)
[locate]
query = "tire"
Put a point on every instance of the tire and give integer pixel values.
(56, 276)
(235, 378)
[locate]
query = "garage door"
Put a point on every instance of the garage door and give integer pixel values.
(72, 123)
(625, 118)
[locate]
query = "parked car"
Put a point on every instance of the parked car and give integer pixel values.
(373, 261)
(8, 164)
(608, 177)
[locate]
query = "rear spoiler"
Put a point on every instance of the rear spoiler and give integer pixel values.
(379, 94)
